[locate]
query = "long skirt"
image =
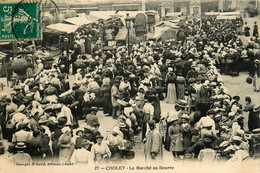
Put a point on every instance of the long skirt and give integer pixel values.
(167, 141)
(256, 83)
(65, 154)
(171, 94)
(176, 143)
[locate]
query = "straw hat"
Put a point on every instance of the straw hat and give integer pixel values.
(185, 116)
(65, 129)
(20, 145)
(182, 103)
(43, 119)
(121, 125)
(99, 137)
(171, 119)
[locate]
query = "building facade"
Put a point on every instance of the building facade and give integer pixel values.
(188, 7)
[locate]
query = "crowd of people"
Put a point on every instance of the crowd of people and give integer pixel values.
(41, 117)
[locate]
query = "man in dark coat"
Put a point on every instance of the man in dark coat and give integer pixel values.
(35, 146)
(192, 74)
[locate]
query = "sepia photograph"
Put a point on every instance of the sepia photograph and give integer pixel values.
(129, 86)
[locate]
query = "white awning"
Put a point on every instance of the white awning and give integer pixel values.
(62, 27)
(121, 34)
(236, 13)
(226, 17)
(124, 5)
(173, 14)
(79, 21)
(105, 15)
(211, 13)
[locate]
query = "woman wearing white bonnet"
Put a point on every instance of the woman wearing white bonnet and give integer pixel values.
(66, 145)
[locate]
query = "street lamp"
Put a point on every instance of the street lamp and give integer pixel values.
(128, 26)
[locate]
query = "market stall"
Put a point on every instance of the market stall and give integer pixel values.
(121, 36)
(78, 21)
(162, 34)
(52, 33)
(60, 28)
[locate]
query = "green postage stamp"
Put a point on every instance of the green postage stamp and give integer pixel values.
(20, 20)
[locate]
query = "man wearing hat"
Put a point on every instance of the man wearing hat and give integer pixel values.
(153, 148)
(18, 96)
(204, 98)
(96, 131)
(21, 157)
(114, 97)
(186, 127)
(192, 74)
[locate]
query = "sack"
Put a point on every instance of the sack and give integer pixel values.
(249, 80)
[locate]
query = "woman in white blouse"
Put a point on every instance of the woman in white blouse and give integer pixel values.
(82, 155)
(100, 150)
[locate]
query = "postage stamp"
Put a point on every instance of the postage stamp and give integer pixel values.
(20, 20)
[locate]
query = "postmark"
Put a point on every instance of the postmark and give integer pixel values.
(20, 20)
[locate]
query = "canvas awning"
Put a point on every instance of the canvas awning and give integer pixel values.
(2, 55)
(167, 23)
(79, 21)
(60, 28)
(236, 13)
(211, 13)
(121, 34)
(105, 15)
(173, 14)
(226, 17)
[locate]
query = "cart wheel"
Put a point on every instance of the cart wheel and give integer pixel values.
(29, 72)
